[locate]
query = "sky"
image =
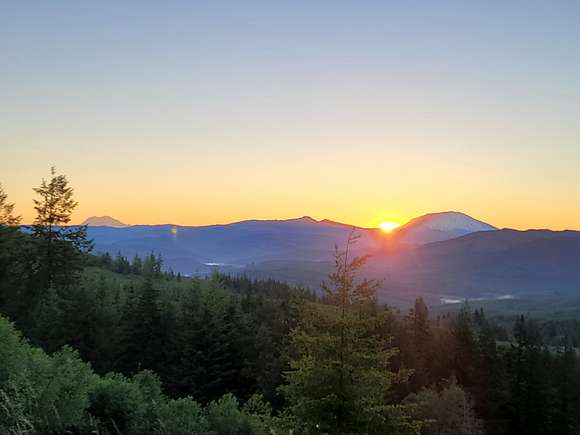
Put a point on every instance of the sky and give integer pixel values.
(195, 113)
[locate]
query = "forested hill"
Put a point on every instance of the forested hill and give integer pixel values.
(223, 340)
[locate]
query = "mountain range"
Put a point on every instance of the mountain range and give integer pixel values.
(445, 256)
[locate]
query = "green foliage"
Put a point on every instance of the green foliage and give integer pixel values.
(339, 375)
(117, 403)
(210, 346)
(446, 412)
(464, 348)
(566, 384)
(417, 338)
(182, 417)
(529, 375)
(60, 247)
(50, 393)
(226, 418)
(63, 386)
(143, 335)
(58, 393)
(7, 217)
(16, 262)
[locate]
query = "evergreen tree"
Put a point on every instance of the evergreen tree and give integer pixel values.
(142, 344)
(566, 385)
(493, 389)
(7, 216)
(15, 264)
(339, 376)
(60, 247)
(150, 265)
(106, 261)
(418, 352)
(210, 344)
(157, 265)
(136, 265)
(528, 374)
(122, 265)
(464, 349)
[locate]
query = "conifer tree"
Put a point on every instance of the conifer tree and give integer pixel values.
(107, 261)
(136, 265)
(210, 345)
(142, 346)
(149, 265)
(121, 264)
(13, 268)
(7, 216)
(60, 247)
(417, 355)
(340, 375)
(464, 349)
(491, 387)
(566, 385)
(529, 374)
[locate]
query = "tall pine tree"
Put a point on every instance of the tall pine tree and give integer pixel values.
(7, 216)
(16, 262)
(529, 375)
(339, 375)
(60, 247)
(142, 345)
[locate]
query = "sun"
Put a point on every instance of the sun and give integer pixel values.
(387, 227)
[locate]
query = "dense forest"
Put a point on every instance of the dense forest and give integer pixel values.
(113, 345)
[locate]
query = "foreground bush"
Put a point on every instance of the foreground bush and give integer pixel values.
(59, 393)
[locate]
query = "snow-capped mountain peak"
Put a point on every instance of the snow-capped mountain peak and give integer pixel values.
(435, 227)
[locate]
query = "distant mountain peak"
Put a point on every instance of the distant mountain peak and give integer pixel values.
(304, 219)
(454, 219)
(103, 221)
(436, 227)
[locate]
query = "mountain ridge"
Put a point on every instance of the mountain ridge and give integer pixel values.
(486, 263)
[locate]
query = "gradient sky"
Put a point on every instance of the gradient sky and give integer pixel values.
(197, 113)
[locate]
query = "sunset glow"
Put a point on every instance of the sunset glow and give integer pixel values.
(311, 124)
(387, 227)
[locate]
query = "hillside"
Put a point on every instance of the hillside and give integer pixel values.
(489, 264)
